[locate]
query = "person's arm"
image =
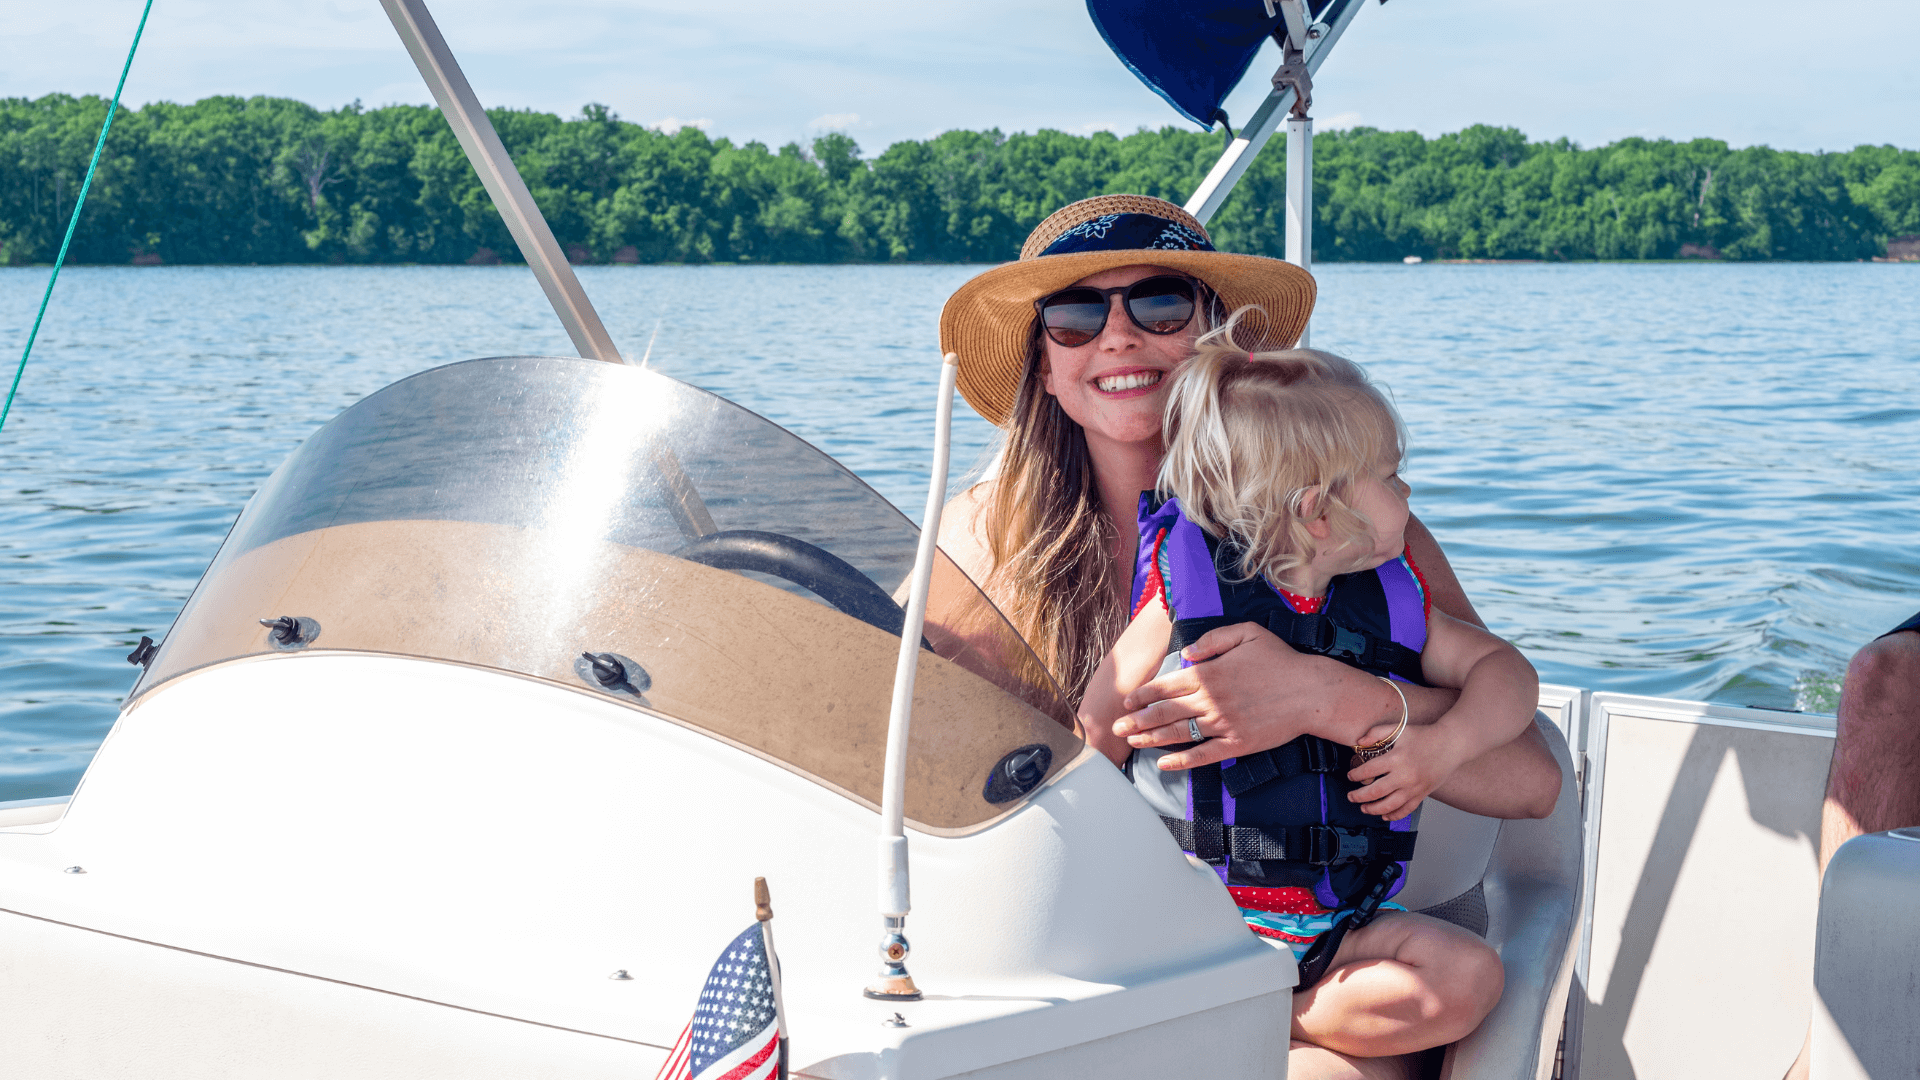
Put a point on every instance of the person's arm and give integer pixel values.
(961, 535)
(1518, 780)
(956, 621)
(1256, 693)
(1443, 588)
(1499, 692)
(1134, 659)
(1253, 692)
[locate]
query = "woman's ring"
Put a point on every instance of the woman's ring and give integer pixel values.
(1193, 729)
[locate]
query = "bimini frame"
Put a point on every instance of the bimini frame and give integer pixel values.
(528, 226)
(1304, 44)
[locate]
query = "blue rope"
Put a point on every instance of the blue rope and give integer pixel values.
(73, 221)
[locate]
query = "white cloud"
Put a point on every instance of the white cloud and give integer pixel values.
(672, 124)
(839, 121)
(1340, 121)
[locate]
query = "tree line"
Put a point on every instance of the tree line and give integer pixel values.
(271, 180)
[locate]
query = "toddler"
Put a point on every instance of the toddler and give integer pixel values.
(1279, 502)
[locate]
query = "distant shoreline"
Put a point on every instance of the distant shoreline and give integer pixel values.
(272, 181)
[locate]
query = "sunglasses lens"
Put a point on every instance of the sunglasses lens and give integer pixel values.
(1074, 317)
(1161, 305)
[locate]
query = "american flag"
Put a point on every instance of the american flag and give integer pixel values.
(737, 1031)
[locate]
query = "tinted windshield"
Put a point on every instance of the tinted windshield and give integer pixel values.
(614, 531)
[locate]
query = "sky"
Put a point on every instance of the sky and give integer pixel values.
(1792, 74)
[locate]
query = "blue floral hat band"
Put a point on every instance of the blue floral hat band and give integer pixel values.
(1129, 232)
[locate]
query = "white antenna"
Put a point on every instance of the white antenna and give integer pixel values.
(894, 983)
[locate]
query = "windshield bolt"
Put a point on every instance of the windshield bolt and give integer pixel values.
(1018, 773)
(606, 670)
(74, 870)
(142, 654)
(290, 631)
(613, 672)
(621, 976)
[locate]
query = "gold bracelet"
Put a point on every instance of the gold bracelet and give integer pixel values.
(1373, 750)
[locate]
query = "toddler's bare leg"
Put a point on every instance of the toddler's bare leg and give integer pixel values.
(1404, 983)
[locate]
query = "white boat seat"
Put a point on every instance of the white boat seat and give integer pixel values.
(1517, 884)
(1866, 1018)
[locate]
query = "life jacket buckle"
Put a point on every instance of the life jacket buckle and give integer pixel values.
(1347, 644)
(1329, 844)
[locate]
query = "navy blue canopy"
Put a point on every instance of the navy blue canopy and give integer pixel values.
(1191, 52)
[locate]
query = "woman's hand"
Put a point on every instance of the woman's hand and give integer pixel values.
(1393, 784)
(1251, 691)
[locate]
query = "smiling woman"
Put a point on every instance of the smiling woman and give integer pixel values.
(1072, 350)
(1044, 355)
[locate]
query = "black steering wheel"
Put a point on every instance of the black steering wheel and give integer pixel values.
(827, 575)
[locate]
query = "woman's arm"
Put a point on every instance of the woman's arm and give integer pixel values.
(960, 533)
(1518, 780)
(1134, 659)
(1254, 692)
(1443, 588)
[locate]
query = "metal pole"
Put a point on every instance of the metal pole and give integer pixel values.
(1226, 172)
(1300, 200)
(482, 144)
(529, 228)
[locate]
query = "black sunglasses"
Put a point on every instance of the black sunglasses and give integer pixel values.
(1158, 305)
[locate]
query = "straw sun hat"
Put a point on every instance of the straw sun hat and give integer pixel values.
(989, 321)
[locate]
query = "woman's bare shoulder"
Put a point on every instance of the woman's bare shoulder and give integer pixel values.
(963, 530)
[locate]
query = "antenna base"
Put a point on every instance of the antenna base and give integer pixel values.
(894, 983)
(901, 989)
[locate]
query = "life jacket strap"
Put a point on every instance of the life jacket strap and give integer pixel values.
(1314, 634)
(1319, 956)
(1216, 843)
(1306, 754)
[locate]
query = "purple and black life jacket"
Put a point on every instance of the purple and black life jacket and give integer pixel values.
(1281, 818)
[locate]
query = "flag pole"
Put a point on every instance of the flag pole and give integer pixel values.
(763, 911)
(895, 984)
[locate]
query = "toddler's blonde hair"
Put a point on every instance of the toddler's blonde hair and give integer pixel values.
(1250, 436)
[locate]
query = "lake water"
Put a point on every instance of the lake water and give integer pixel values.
(1688, 480)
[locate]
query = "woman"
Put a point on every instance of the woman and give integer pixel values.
(1051, 535)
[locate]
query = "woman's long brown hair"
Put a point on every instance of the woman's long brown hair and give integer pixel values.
(1053, 571)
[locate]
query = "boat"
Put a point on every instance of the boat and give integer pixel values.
(463, 756)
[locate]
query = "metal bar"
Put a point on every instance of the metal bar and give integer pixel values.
(1294, 13)
(683, 499)
(1226, 172)
(1300, 200)
(510, 195)
(529, 228)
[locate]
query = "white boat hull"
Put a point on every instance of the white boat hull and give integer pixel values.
(340, 864)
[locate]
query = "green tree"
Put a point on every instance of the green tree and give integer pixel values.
(229, 179)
